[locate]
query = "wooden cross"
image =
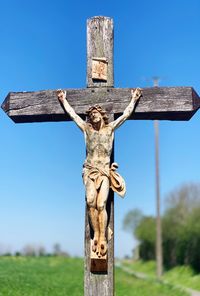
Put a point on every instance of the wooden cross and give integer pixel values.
(168, 103)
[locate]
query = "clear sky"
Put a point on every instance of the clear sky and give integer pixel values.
(43, 46)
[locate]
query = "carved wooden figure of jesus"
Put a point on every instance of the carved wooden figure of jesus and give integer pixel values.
(98, 174)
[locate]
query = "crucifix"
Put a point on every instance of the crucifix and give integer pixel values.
(94, 102)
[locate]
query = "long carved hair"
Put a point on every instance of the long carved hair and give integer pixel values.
(100, 110)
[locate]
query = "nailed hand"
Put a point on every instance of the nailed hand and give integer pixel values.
(61, 95)
(136, 94)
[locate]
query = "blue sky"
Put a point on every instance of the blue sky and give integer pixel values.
(43, 46)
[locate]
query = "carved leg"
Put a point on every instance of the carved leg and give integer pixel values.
(102, 238)
(91, 196)
(101, 207)
(94, 218)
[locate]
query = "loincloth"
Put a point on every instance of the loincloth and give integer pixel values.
(117, 183)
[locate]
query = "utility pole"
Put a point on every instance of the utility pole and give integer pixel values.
(159, 253)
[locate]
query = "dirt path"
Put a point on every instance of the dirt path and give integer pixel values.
(193, 292)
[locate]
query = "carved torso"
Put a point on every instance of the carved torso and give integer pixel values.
(99, 146)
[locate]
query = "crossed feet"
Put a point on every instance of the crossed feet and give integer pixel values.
(99, 246)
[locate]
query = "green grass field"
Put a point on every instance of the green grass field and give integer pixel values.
(58, 276)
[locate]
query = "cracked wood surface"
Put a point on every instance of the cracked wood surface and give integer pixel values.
(163, 103)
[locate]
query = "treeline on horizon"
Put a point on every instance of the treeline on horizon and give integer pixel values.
(180, 229)
(37, 251)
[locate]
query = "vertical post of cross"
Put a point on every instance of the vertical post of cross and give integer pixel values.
(100, 75)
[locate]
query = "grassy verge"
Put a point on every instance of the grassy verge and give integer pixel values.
(57, 276)
(148, 267)
(181, 275)
(127, 285)
(184, 276)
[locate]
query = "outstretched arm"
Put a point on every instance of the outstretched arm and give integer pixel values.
(129, 109)
(74, 116)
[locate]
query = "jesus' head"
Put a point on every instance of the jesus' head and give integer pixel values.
(96, 114)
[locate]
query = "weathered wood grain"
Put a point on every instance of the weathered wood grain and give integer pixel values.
(165, 103)
(100, 45)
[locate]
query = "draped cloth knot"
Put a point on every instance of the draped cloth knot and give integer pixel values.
(117, 183)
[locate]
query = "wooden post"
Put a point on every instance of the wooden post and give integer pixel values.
(100, 74)
(100, 48)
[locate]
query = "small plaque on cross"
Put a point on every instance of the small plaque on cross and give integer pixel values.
(99, 68)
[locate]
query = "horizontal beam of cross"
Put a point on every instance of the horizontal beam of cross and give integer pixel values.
(165, 103)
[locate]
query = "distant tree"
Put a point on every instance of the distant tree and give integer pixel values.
(65, 254)
(5, 250)
(57, 249)
(41, 251)
(146, 235)
(181, 228)
(143, 229)
(7, 254)
(192, 240)
(132, 220)
(179, 219)
(29, 250)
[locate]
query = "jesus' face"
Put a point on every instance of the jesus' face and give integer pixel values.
(95, 116)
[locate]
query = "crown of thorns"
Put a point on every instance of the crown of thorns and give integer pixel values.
(100, 110)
